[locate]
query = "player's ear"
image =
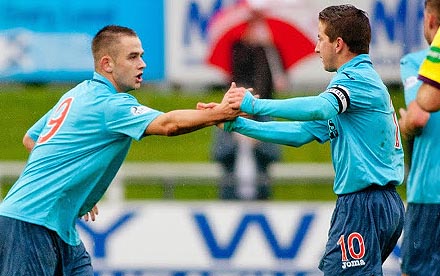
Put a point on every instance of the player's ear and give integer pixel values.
(106, 63)
(339, 44)
(433, 21)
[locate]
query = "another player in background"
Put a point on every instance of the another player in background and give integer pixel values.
(356, 115)
(421, 241)
(428, 96)
(81, 144)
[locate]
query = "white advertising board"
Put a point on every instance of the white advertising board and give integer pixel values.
(210, 238)
(396, 29)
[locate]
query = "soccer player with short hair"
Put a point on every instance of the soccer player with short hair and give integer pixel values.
(428, 96)
(419, 253)
(77, 149)
(356, 115)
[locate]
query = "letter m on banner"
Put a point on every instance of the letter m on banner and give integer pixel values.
(227, 250)
(196, 19)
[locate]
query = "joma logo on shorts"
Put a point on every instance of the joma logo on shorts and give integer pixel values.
(352, 263)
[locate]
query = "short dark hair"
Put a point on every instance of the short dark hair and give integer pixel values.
(349, 23)
(434, 7)
(107, 37)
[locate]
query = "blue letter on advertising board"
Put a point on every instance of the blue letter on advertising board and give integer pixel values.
(407, 15)
(224, 252)
(100, 238)
(195, 18)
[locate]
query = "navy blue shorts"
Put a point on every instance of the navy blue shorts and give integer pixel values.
(33, 250)
(364, 230)
(421, 240)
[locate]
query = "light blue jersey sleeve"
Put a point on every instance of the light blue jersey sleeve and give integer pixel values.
(409, 71)
(125, 114)
(287, 133)
(35, 130)
(321, 107)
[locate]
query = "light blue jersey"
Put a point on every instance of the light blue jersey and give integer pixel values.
(365, 139)
(423, 183)
(360, 123)
(82, 143)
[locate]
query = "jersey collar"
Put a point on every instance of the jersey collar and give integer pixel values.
(101, 79)
(362, 58)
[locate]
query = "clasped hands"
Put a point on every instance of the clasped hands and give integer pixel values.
(231, 100)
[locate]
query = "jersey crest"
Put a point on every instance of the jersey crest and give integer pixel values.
(138, 110)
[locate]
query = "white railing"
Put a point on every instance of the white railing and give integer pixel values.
(171, 173)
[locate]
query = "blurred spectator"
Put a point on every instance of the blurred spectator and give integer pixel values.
(245, 161)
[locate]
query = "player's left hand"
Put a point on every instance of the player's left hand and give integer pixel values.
(235, 97)
(91, 215)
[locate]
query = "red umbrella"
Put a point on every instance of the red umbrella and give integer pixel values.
(228, 25)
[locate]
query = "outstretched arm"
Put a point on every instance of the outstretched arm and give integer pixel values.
(279, 132)
(179, 122)
(297, 109)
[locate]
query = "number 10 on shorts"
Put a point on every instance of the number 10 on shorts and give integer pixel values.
(348, 246)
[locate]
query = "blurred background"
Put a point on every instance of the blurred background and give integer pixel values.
(163, 215)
